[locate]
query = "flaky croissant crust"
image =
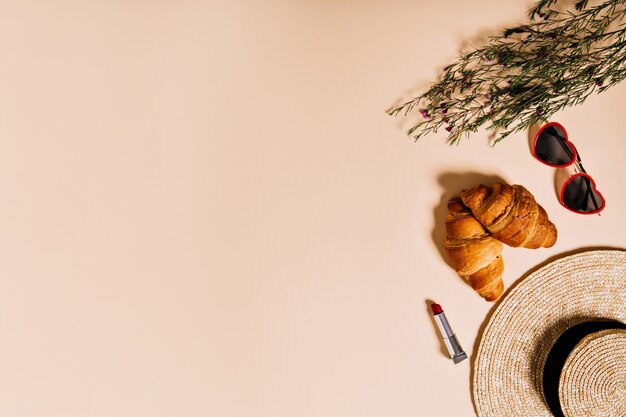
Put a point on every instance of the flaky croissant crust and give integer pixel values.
(475, 255)
(511, 214)
(481, 220)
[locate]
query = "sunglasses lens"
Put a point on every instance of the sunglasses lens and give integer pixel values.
(579, 195)
(551, 146)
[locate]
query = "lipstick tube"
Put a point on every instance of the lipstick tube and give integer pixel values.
(449, 339)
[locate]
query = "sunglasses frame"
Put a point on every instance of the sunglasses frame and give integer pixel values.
(574, 157)
(593, 187)
(575, 160)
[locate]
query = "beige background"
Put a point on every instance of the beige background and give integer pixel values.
(206, 212)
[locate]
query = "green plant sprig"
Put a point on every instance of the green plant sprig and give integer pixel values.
(528, 73)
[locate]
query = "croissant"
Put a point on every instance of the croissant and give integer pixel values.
(511, 215)
(475, 255)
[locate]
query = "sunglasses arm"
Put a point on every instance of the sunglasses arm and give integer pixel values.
(579, 168)
(562, 141)
(569, 152)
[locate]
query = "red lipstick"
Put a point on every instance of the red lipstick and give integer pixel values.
(436, 308)
(449, 339)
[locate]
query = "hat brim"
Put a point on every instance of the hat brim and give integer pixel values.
(508, 368)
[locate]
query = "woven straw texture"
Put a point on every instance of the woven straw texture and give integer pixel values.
(508, 368)
(593, 380)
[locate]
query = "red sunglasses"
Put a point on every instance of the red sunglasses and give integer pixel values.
(579, 193)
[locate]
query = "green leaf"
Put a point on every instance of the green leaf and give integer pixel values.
(581, 5)
(511, 31)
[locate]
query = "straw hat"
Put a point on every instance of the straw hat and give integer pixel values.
(593, 380)
(549, 323)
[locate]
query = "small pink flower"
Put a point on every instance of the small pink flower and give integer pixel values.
(425, 114)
